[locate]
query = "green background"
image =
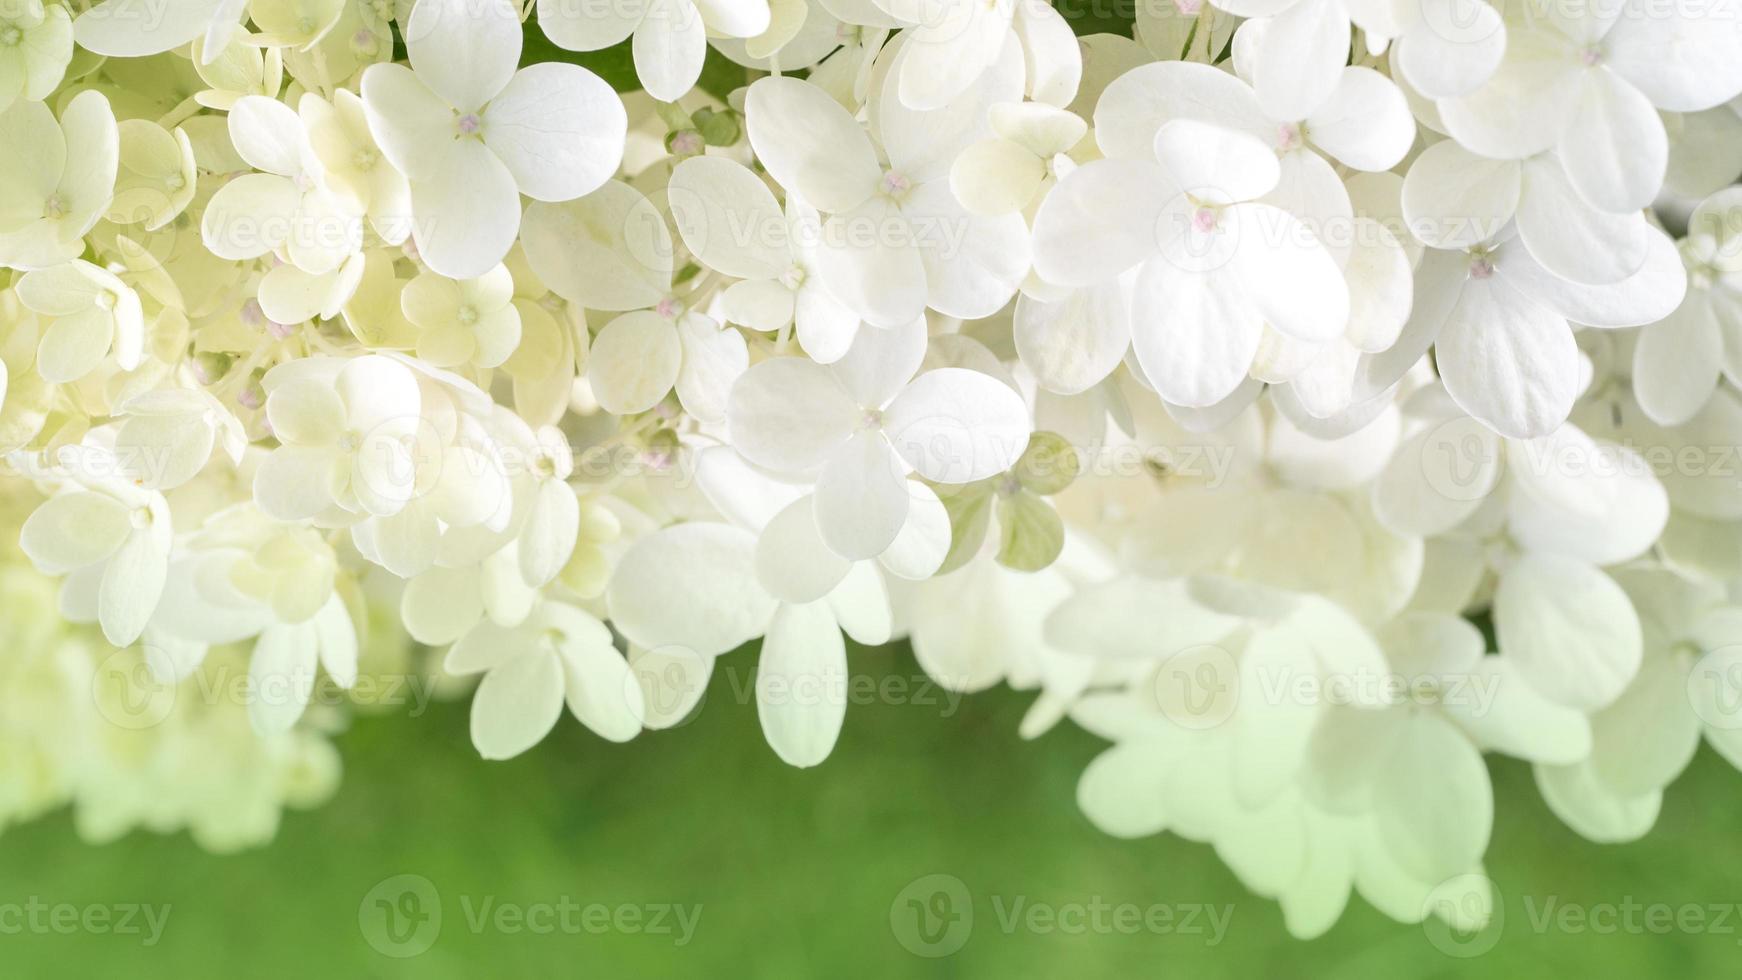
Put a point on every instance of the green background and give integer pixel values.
(796, 870)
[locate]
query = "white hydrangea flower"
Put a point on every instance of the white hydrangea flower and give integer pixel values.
(895, 240)
(868, 421)
(1588, 86)
(472, 134)
(560, 654)
(1215, 267)
(472, 321)
(109, 537)
(92, 314)
(62, 177)
(730, 221)
(36, 43)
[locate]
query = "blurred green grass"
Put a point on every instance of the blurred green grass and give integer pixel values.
(796, 870)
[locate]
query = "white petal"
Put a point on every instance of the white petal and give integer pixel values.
(861, 500)
(729, 219)
(1614, 147)
(1301, 56)
(1102, 219)
(634, 362)
(869, 261)
(282, 674)
(1676, 362)
(410, 123)
(1074, 343)
(1214, 163)
(1508, 361)
(603, 694)
(1584, 804)
(996, 176)
(585, 28)
(1568, 628)
(954, 425)
(552, 527)
(1453, 198)
(1365, 123)
(801, 684)
(792, 562)
(1572, 239)
(923, 543)
(123, 29)
(692, 585)
(881, 362)
(559, 130)
(439, 606)
(669, 46)
(1195, 334)
(467, 212)
(464, 50)
(810, 144)
(73, 530)
(1292, 280)
(517, 704)
(1435, 807)
(789, 414)
(609, 250)
(1452, 49)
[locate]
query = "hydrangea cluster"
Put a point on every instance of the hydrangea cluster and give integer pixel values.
(1308, 397)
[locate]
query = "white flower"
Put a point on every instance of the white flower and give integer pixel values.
(36, 43)
(560, 654)
(1500, 325)
(671, 36)
(93, 314)
(471, 321)
(472, 134)
(1215, 267)
(896, 240)
(157, 178)
(856, 427)
(353, 165)
(61, 177)
(1007, 172)
(731, 222)
(110, 538)
(345, 429)
(1644, 739)
(1588, 86)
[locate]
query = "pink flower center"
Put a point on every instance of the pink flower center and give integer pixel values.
(1481, 268)
(467, 124)
(1204, 221)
